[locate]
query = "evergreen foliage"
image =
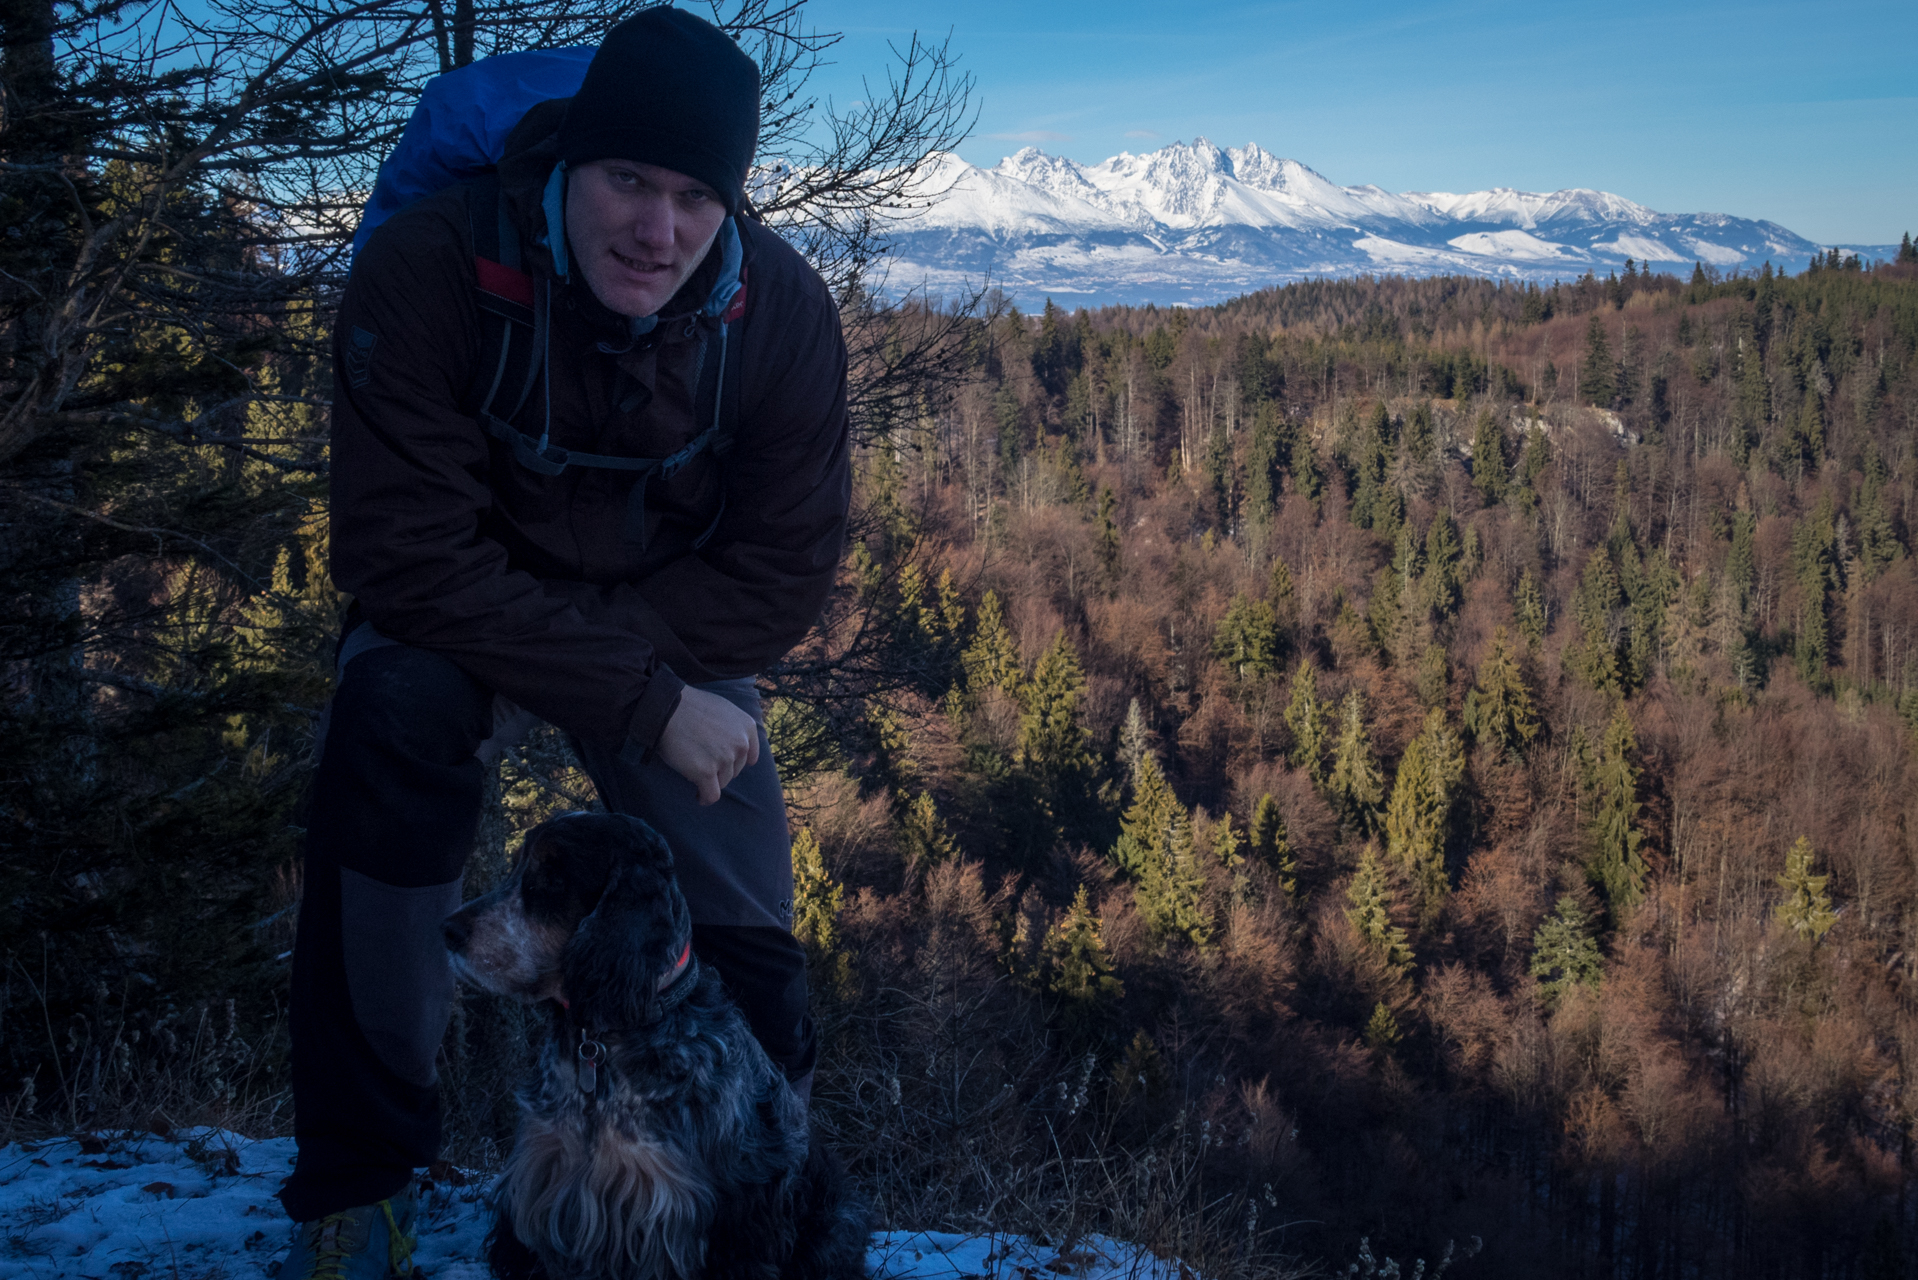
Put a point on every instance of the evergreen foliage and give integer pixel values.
(1806, 910)
(1369, 911)
(1356, 782)
(1565, 950)
(1270, 847)
(1306, 719)
(817, 901)
(1500, 708)
(1418, 817)
(1617, 866)
(1082, 971)
(1489, 473)
(1247, 640)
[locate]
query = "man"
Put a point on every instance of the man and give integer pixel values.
(630, 608)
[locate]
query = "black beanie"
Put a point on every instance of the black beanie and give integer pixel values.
(669, 89)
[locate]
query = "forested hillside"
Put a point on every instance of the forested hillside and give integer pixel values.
(1448, 745)
(1416, 760)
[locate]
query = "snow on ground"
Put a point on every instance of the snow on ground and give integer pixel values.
(199, 1205)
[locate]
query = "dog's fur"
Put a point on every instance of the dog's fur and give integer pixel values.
(692, 1160)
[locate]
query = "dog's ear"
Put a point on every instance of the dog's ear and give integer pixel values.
(611, 969)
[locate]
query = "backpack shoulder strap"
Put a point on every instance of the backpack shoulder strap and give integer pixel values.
(503, 292)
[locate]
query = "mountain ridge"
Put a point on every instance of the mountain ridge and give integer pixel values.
(1194, 223)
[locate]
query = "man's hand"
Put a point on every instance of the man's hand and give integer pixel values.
(708, 741)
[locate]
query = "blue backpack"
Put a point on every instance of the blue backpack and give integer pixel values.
(457, 134)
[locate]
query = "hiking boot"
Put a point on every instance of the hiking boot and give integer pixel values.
(367, 1242)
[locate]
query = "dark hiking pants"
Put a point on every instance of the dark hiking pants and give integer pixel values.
(394, 812)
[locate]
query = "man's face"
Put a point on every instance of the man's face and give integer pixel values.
(638, 231)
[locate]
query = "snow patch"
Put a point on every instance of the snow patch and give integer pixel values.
(200, 1205)
(1514, 244)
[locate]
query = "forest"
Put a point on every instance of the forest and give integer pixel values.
(1421, 762)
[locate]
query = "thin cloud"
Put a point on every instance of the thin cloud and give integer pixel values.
(1140, 133)
(1034, 135)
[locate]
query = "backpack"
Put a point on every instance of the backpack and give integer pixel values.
(457, 134)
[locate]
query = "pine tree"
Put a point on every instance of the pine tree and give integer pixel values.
(1247, 640)
(1109, 535)
(1382, 1029)
(1565, 950)
(1500, 709)
(1444, 579)
(1170, 889)
(923, 837)
(1806, 910)
(1357, 784)
(1814, 565)
(1489, 473)
(1142, 831)
(1417, 819)
(992, 659)
(1595, 660)
(817, 901)
(1369, 911)
(1081, 969)
(1751, 411)
(1284, 601)
(1268, 843)
(1617, 866)
(1597, 381)
(1306, 719)
(1530, 606)
(1133, 740)
(1053, 745)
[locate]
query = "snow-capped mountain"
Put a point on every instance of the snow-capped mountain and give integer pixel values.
(1196, 223)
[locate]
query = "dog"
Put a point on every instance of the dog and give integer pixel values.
(656, 1140)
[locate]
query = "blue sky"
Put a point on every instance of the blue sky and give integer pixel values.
(1804, 114)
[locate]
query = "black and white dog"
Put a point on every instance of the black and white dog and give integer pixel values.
(656, 1140)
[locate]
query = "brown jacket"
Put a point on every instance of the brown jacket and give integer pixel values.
(529, 582)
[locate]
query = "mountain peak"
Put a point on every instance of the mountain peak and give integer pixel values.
(1191, 222)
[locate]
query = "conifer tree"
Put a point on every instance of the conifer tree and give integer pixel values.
(1133, 740)
(1597, 381)
(817, 901)
(1269, 845)
(1247, 640)
(1444, 580)
(1595, 660)
(1306, 719)
(1500, 708)
(1418, 818)
(1109, 535)
(1489, 473)
(1284, 601)
(1565, 950)
(1382, 1028)
(1053, 745)
(1538, 455)
(1806, 910)
(1814, 565)
(1142, 831)
(952, 610)
(1751, 411)
(1081, 968)
(1357, 784)
(923, 837)
(1170, 889)
(1617, 866)
(992, 659)
(1530, 607)
(1369, 911)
